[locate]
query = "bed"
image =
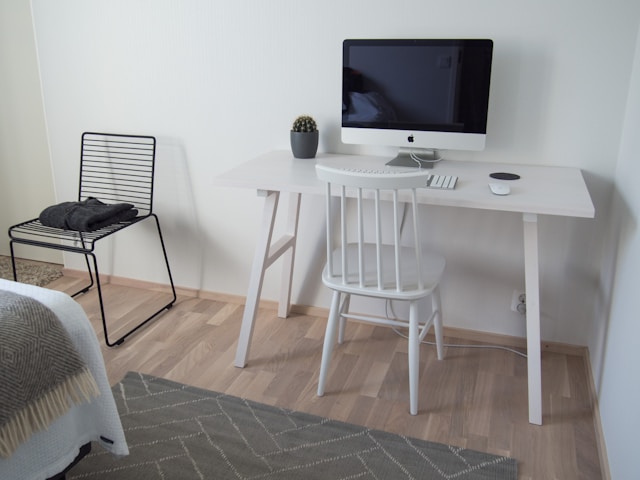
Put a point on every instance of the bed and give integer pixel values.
(49, 452)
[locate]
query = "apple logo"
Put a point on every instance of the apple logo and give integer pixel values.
(410, 138)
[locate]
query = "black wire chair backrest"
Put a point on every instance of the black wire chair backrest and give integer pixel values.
(118, 169)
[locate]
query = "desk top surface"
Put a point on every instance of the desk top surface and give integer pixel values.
(540, 190)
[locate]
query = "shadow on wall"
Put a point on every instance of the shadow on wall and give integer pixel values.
(621, 229)
(175, 204)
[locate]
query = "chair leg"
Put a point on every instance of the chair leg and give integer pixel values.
(329, 340)
(150, 317)
(343, 321)
(87, 250)
(437, 322)
(414, 357)
(91, 280)
(100, 301)
(13, 262)
(82, 290)
(166, 262)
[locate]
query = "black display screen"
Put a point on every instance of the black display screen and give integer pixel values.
(439, 85)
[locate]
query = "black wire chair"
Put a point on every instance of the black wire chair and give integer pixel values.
(114, 169)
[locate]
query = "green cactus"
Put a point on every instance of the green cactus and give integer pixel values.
(304, 123)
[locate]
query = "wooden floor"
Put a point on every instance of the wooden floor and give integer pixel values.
(475, 398)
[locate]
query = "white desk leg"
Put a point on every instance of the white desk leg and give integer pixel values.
(532, 287)
(259, 266)
(290, 255)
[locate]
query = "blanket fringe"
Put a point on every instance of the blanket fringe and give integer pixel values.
(38, 415)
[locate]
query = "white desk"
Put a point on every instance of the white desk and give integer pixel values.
(540, 191)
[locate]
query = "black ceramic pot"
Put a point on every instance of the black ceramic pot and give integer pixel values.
(304, 144)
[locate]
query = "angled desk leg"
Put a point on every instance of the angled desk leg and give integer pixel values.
(265, 254)
(289, 255)
(532, 288)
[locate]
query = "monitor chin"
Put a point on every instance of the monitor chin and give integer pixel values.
(415, 157)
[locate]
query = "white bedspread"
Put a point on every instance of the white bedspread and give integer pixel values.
(49, 452)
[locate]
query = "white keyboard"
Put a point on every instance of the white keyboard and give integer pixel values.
(445, 182)
(377, 171)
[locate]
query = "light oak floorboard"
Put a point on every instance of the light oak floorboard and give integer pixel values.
(475, 398)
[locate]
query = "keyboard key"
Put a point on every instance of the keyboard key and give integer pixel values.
(437, 181)
(445, 182)
(452, 182)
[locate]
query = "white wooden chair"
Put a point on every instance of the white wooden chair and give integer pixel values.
(388, 271)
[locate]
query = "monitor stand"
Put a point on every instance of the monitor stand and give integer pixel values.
(415, 158)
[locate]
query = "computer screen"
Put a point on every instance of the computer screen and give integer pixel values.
(420, 95)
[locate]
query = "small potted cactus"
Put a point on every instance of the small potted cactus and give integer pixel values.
(304, 137)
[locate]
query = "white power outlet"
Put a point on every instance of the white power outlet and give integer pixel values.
(519, 302)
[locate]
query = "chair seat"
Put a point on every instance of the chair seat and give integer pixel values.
(432, 268)
(33, 232)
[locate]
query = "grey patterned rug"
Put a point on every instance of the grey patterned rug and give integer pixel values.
(31, 272)
(180, 432)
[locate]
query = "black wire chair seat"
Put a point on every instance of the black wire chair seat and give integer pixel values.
(33, 232)
(114, 168)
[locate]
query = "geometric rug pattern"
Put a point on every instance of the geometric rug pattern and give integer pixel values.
(175, 431)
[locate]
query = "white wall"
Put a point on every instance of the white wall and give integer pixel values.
(619, 390)
(220, 82)
(26, 184)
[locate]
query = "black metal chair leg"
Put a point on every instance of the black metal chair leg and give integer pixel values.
(94, 276)
(91, 281)
(166, 260)
(13, 263)
(120, 340)
(101, 302)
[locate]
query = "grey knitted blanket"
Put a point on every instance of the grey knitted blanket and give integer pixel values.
(86, 216)
(41, 374)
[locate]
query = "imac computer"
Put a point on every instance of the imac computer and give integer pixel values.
(420, 95)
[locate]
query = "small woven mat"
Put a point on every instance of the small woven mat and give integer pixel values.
(31, 272)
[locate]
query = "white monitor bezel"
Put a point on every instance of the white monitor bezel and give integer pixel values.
(414, 139)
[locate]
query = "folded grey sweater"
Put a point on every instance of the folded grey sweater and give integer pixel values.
(86, 216)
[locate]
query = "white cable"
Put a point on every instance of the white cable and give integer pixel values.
(418, 159)
(455, 345)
